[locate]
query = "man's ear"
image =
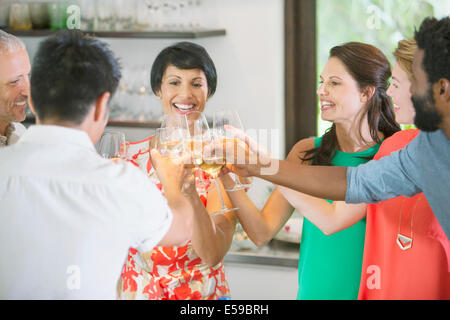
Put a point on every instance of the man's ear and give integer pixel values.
(442, 87)
(101, 107)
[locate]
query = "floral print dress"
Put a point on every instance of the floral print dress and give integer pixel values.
(167, 273)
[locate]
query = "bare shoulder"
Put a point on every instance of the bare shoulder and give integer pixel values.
(298, 150)
(303, 145)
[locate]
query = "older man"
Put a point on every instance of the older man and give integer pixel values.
(14, 87)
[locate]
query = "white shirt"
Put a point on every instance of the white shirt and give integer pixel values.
(68, 217)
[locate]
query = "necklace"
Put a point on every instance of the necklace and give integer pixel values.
(403, 241)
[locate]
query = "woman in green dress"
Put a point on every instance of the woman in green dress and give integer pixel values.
(353, 97)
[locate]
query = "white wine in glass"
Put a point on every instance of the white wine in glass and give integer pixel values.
(197, 133)
(229, 117)
(170, 141)
(211, 164)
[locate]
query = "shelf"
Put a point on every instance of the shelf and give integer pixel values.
(275, 253)
(118, 123)
(134, 124)
(128, 34)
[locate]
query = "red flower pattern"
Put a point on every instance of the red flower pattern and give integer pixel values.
(169, 273)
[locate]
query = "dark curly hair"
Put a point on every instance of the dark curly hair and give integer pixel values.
(433, 37)
(70, 71)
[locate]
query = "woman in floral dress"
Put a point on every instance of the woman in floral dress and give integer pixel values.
(183, 77)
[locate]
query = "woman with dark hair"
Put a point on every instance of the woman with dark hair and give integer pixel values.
(353, 97)
(184, 77)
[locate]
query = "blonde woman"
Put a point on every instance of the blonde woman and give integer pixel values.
(401, 81)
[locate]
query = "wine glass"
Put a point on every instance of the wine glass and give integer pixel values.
(112, 146)
(170, 141)
(174, 120)
(105, 15)
(228, 117)
(211, 164)
(196, 128)
(19, 16)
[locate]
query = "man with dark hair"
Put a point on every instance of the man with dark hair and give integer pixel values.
(67, 79)
(423, 166)
(432, 69)
(67, 215)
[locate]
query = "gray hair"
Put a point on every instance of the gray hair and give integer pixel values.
(9, 43)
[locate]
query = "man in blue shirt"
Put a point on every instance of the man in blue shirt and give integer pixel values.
(422, 166)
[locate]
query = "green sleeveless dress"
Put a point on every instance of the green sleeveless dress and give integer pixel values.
(329, 267)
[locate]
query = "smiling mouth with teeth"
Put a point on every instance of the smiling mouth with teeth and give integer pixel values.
(326, 105)
(20, 104)
(184, 107)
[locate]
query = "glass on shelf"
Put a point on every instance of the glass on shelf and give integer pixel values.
(4, 13)
(171, 15)
(124, 15)
(58, 15)
(39, 15)
(88, 14)
(142, 15)
(110, 15)
(134, 99)
(105, 14)
(19, 16)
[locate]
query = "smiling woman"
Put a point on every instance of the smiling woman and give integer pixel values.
(401, 82)
(183, 76)
(183, 91)
(182, 81)
(353, 97)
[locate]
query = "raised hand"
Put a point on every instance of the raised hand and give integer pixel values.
(172, 171)
(244, 156)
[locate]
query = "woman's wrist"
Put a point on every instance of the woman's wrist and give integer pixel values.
(227, 181)
(265, 167)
